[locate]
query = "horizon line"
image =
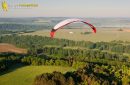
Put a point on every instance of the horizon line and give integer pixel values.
(62, 17)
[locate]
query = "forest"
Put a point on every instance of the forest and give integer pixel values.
(96, 63)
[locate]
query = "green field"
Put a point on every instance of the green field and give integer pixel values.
(25, 75)
(103, 34)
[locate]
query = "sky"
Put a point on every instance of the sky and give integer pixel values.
(68, 8)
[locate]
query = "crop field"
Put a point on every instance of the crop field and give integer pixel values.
(106, 34)
(25, 75)
(4, 47)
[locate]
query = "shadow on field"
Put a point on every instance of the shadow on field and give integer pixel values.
(12, 68)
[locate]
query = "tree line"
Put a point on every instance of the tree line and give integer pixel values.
(34, 42)
(82, 54)
(21, 27)
(91, 74)
(8, 59)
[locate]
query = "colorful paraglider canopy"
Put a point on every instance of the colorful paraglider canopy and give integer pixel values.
(69, 21)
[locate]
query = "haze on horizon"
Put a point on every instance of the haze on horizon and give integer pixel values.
(69, 8)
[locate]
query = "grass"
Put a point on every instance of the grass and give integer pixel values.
(106, 34)
(25, 75)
